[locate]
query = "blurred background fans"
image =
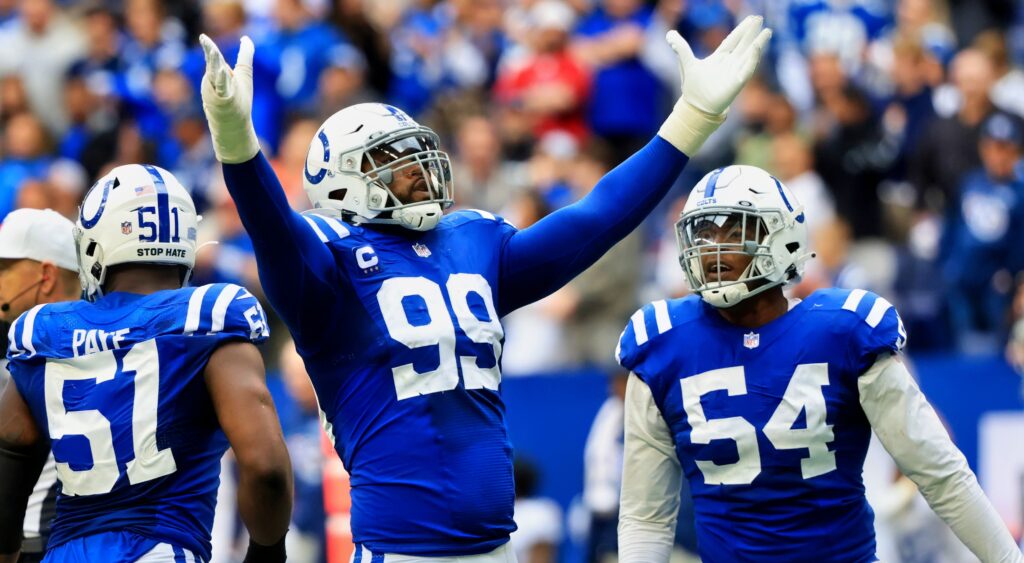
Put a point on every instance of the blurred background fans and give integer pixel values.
(896, 122)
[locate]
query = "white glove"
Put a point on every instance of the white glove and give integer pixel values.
(711, 84)
(227, 101)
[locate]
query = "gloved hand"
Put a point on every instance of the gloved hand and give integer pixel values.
(227, 101)
(711, 84)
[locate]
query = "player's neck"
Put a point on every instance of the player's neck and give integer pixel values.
(143, 279)
(758, 310)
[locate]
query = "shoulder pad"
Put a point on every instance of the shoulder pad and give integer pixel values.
(881, 328)
(23, 338)
(648, 322)
(226, 309)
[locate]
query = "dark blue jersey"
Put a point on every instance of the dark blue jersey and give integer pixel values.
(767, 422)
(400, 334)
(409, 380)
(118, 386)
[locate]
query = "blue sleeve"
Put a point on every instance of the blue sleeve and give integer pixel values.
(296, 268)
(539, 260)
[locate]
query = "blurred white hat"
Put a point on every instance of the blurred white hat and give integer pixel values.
(39, 234)
(552, 14)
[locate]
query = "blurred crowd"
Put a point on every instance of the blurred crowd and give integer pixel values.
(897, 123)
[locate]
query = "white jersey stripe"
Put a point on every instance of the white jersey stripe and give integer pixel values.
(34, 511)
(484, 214)
(877, 312)
(316, 228)
(854, 299)
(661, 316)
(195, 306)
(13, 341)
(639, 327)
(161, 553)
(220, 307)
(336, 226)
(26, 331)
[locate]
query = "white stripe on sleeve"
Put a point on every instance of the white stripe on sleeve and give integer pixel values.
(220, 307)
(316, 228)
(195, 307)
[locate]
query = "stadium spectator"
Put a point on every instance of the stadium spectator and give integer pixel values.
(342, 81)
(25, 157)
(1006, 92)
(610, 40)
(194, 164)
(224, 21)
(793, 162)
(302, 43)
(548, 85)
(911, 109)
(355, 19)
(984, 227)
(853, 158)
(40, 46)
(948, 148)
(488, 181)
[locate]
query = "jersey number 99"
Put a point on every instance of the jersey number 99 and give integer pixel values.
(440, 332)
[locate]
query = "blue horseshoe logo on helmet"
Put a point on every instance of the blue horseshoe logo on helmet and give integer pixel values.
(319, 177)
(91, 222)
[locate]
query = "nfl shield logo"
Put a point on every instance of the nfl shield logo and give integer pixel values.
(421, 250)
(126, 228)
(751, 340)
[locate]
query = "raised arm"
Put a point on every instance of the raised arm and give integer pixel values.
(23, 453)
(294, 265)
(539, 260)
(235, 380)
(912, 433)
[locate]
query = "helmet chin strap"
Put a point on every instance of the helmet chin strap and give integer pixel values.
(726, 297)
(422, 217)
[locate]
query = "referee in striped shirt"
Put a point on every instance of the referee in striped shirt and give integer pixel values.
(38, 264)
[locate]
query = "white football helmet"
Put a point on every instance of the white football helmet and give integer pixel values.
(741, 210)
(354, 157)
(136, 214)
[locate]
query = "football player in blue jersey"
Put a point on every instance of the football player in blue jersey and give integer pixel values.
(38, 264)
(766, 405)
(140, 390)
(395, 306)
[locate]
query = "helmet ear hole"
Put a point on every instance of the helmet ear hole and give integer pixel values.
(792, 247)
(338, 194)
(90, 250)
